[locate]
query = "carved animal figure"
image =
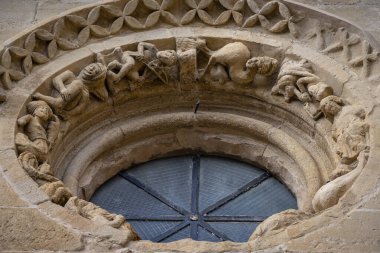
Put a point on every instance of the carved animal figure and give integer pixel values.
(236, 57)
(329, 194)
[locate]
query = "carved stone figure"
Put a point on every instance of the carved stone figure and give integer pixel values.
(120, 65)
(187, 57)
(297, 80)
(40, 130)
(329, 194)
(42, 174)
(349, 131)
(236, 58)
(278, 221)
(71, 95)
(57, 192)
(93, 76)
(95, 213)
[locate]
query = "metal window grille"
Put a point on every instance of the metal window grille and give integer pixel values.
(205, 198)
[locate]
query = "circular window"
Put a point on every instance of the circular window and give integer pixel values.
(205, 198)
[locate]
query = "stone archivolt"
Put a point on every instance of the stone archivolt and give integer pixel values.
(173, 13)
(121, 72)
(232, 70)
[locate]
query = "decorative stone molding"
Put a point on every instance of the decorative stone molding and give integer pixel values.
(90, 113)
(75, 30)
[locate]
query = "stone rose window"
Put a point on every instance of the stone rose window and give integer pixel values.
(205, 198)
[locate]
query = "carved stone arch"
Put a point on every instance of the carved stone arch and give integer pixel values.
(323, 155)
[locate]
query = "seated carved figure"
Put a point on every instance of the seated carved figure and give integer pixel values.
(236, 58)
(40, 130)
(74, 92)
(349, 131)
(297, 80)
(95, 213)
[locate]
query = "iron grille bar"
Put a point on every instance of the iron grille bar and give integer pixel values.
(213, 231)
(153, 193)
(195, 195)
(255, 182)
(155, 218)
(171, 231)
(239, 218)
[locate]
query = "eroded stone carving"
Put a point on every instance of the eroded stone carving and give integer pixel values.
(95, 213)
(329, 194)
(40, 130)
(349, 131)
(113, 18)
(42, 174)
(296, 80)
(278, 221)
(160, 65)
(236, 59)
(187, 58)
(120, 65)
(72, 94)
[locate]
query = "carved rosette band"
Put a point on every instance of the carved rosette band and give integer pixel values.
(76, 29)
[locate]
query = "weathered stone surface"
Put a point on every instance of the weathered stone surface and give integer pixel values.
(8, 197)
(237, 117)
(359, 232)
(39, 232)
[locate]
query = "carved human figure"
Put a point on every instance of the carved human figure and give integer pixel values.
(95, 213)
(120, 65)
(296, 79)
(40, 130)
(349, 131)
(74, 92)
(236, 58)
(158, 64)
(42, 174)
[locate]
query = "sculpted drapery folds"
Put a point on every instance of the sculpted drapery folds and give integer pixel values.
(40, 129)
(71, 94)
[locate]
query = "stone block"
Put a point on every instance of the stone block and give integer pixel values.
(39, 232)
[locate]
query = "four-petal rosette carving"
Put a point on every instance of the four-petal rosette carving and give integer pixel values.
(75, 30)
(261, 15)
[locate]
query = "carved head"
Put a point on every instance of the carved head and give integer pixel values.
(167, 57)
(320, 90)
(40, 109)
(265, 65)
(93, 72)
(93, 76)
(331, 106)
